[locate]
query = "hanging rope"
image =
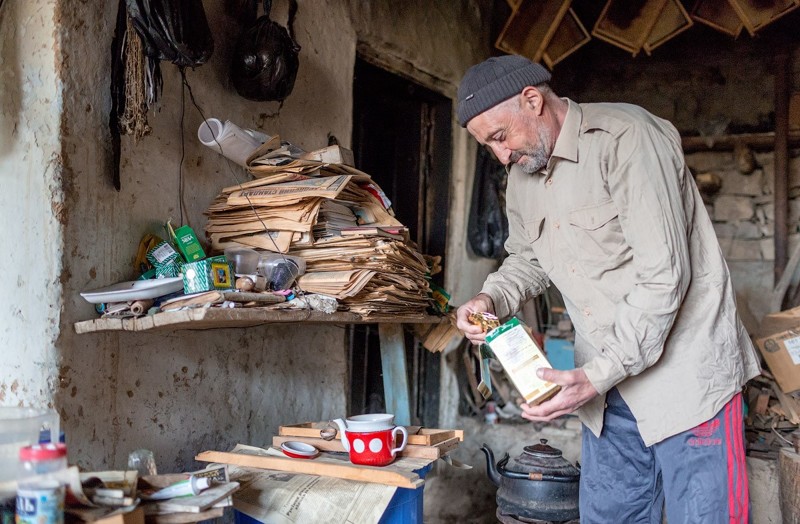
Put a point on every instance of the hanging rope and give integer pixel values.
(138, 90)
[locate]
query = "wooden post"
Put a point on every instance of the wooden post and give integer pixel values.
(395, 375)
(789, 479)
(782, 94)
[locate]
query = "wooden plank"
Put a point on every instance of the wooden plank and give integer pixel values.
(626, 24)
(672, 21)
(531, 26)
(758, 141)
(719, 15)
(214, 318)
(416, 435)
(756, 14)
(184, 518)
(790, 404)
(421, 452)
(348, 471)
(395, 376)
(569, 36)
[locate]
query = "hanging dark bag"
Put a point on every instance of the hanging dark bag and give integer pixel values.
(173, 30)
(487, 229)
(266, 60)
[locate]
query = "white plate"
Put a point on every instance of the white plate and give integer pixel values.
(134, 290)
(301, 450)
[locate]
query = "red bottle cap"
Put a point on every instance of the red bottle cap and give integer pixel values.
(38, 452)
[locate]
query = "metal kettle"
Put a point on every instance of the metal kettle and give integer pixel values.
(538, 484)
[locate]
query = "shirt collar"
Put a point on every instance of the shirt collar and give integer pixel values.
(567, 142)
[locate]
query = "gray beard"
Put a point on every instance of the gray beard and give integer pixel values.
(535, 158)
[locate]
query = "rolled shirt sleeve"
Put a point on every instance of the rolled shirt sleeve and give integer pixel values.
(646, 180)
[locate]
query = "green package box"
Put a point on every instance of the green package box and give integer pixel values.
(209, 274)
(188, 244)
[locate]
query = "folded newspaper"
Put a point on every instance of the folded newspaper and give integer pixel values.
(280, 497)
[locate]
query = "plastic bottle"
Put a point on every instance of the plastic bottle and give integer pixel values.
(39, 459)
(40, 500)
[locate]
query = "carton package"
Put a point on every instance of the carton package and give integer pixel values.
(780, 347)
(513, 346)
(188, 244)
(209, 274)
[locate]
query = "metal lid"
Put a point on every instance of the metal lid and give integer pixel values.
(542, 450)
(542, 458)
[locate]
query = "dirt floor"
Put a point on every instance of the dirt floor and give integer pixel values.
(468, 496)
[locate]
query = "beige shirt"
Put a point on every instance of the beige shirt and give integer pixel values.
(615, 221)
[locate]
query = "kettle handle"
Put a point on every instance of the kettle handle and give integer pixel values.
(501, 468)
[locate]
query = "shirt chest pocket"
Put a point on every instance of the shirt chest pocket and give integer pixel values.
(536, 235)
(597, 233)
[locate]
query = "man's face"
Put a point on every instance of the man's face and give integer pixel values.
(515, 134)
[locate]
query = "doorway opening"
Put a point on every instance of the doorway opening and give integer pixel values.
(402, 138)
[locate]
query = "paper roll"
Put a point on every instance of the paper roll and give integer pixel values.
(230, 140)
(140, 307)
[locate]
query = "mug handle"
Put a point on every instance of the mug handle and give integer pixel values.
(402, 446)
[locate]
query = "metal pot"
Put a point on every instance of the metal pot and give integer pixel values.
(538, 484)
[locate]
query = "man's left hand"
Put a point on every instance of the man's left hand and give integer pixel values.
(576, 390)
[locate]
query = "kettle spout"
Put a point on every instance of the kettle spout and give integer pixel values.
(491, 469)
(339, 422)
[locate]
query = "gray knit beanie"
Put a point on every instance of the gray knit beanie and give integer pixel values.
(497, 79)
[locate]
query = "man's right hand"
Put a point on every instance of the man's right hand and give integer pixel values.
(479, 304)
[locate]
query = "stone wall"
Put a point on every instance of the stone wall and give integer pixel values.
(743, 214)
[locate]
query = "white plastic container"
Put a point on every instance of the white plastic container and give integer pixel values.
(21, 427)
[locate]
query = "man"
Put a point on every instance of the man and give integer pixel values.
(601, 203)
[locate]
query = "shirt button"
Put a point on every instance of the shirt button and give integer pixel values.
(587, 311)
(572, 269)
(549, 182)
(557, 225)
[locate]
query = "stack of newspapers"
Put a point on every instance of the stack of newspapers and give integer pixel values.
(333, 216)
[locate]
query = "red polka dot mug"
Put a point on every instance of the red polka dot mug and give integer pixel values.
(371, 439)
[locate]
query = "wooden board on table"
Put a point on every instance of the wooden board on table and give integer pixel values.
(423, 452)
(417, 435)
(184, 518)
(322, 466)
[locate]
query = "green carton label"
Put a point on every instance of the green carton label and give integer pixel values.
(496, 332)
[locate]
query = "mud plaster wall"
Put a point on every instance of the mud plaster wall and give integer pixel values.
(178, 393)
(30, 202)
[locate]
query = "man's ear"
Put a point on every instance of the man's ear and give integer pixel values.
(532, 99)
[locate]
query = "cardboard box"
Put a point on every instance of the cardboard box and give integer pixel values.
(780, 347)
(132, 517)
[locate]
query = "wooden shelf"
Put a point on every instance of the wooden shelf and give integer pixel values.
(217, 318)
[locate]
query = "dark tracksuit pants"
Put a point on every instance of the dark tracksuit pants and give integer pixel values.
(700, 473)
